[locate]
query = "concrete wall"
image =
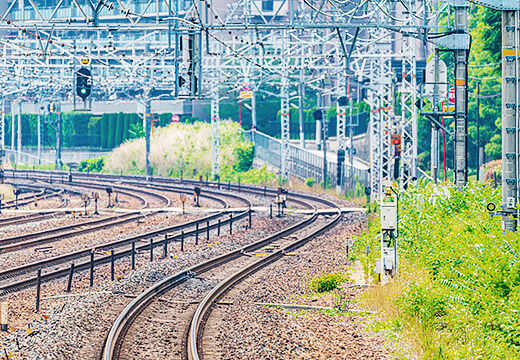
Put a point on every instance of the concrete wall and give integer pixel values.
(198, 108)
(68, 156)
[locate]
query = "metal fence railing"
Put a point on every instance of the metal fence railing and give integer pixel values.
(303, 163)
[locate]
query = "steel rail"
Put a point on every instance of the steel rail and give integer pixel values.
(132, 310)
(204, 309)
(52, 235)
(118, 243)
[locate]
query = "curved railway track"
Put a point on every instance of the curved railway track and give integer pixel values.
(55, 234)
(115, 339)
(59, 265)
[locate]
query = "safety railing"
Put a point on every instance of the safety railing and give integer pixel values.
(303, 163)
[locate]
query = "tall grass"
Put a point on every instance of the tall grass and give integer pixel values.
(458, 293)
(177, 149)
(7, 191)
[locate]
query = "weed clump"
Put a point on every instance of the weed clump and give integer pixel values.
(327, 282)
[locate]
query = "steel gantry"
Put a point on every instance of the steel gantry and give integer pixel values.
(408, 126)
(382, 119)
(168, 47)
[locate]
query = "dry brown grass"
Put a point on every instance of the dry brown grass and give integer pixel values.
(178, 146)
(7, 191)
(383, 300)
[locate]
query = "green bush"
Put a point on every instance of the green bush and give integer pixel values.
(245, 155)
(104, 131)
(310, 181)
(119, 133)
(111, 133)
(92, 165)
(466, 301)
(327, 282)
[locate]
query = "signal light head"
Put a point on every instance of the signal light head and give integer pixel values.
(318, 115)
(83, 83)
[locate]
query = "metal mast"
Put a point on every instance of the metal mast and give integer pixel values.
(341, 117)
(408, 113)
(510, 118)
(284, 94)
(215, 139)
(461, 90)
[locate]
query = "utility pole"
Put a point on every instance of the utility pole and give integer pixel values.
(2, 143)
(215, 140)
(341, 120)
(3, 124)
(285, 135)
(147, 132)
(325, 133)
(19, 135)
(351, 142)
(13, 119)
(318, 122)
(435, 129)
(285, 120)
(461, 103)
(510, 118)
(39, 136)
(510, 110)
(253, 110)
(301, 96)
(409, 112)
(58, 136)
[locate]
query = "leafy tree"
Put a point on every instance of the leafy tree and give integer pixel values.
(112, 122)
(119, 129)
(104, 131)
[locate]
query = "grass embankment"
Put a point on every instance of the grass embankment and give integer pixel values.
(458, 292)
(7, 191)
(185, 150)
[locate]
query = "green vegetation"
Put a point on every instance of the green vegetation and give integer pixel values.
(92, 165)
(185, 150)
(458, 292)
(310, 181)
(327, 282)
(84, 130)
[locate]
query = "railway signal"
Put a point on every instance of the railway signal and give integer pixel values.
(84, 197)
(196, 196)
(281, 200)
(109, 191)
(16, 192)
(183, 200)
(95, 195)
(396, 142)
(83, 83)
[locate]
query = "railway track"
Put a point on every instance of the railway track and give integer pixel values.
(155, 180)
(15, 279)
(242, 258)
(56, 234)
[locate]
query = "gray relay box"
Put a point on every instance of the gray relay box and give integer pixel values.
(388, 212)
